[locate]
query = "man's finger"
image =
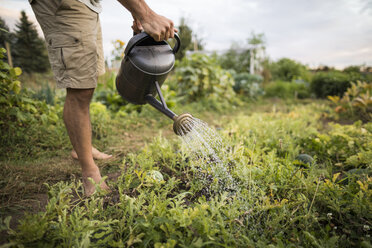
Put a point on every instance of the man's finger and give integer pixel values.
(163, 33)
(167, 35)
(139, 25)
(157, 37)
(171, 33)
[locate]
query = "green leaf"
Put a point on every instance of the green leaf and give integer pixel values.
(312, 239)
(3, 99)
(16, 86)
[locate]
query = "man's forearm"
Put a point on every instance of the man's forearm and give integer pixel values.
(138, 8)
(157, 26)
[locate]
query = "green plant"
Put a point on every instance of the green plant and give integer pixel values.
(248, 85)
(100, 118)
(107, 94)
(287, 90)
(279, 203)
(189, 38)
(45, 93)
(332, 83)
(22, 118)
(288, 70)
(236, 58)
(244, 58)
(348, 146)
(199, 76)
(356, 103)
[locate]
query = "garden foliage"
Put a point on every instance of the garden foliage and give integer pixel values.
(288, 70)
(356, 102)
(280, 204)
(26, 119)
(334, 83)
(346, 146)
(248, 85)
(288, 90)
(236, 58)
(107, 94)
(189, 38)
(200, 77)
(283, 200)
(22, 118)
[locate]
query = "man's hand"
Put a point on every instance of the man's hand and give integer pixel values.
(157, 26)
(137, 27)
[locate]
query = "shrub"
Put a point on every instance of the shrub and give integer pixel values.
(236, 58)
(24, 122)
(356, 102)
(199, 76)
(248, 85)
(332, 83)
(288, 70)
(287, 90)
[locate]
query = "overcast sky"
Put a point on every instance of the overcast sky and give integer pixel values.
(314, 32)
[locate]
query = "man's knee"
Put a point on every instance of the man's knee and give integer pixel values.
(79, 96)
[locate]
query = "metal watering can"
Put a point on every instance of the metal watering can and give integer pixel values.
(143, 70)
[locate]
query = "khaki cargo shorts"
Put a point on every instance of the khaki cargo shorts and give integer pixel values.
(74, 40)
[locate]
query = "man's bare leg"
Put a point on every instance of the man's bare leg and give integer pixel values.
(77, 121)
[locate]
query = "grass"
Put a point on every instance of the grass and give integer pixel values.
(282, 202)
(23, 177)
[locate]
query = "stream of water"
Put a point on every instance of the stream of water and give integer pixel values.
(208, 156)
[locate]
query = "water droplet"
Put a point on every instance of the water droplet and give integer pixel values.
(207, 151)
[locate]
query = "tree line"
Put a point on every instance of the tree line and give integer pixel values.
(26, 48)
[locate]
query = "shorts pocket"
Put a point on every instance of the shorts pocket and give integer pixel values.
(65, 50)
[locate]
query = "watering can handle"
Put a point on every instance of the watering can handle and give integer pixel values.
(143, 36)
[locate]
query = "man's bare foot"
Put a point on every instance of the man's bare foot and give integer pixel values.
(89, 187)
(96, 154)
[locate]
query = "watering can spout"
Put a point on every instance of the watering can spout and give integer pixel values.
(182, 124)
(150, 99)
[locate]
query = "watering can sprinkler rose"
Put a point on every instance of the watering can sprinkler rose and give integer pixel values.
(145, 66)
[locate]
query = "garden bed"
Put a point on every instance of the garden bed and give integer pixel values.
(282, 201)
